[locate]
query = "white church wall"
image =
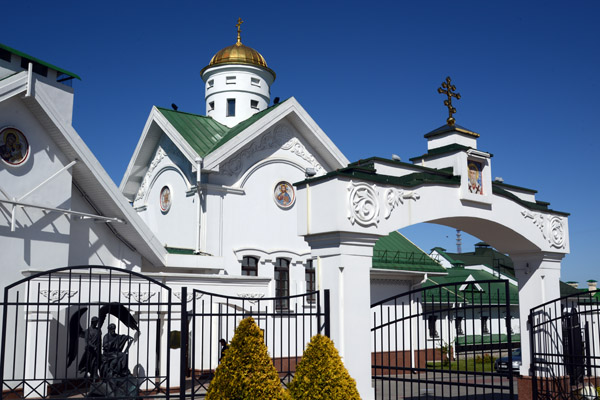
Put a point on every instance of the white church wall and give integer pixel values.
(175, 226)
(40, 239)
(93, 242)
(62, 95)
(255, 221)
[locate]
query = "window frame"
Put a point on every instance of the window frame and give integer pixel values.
(247, 269)
(282, 286)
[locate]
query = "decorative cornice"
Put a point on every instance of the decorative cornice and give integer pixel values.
(160, 154)
(272, 139)
(298, 149)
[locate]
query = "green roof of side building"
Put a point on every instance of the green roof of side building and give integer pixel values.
(204, 134)
(37, 60)
(395, 252)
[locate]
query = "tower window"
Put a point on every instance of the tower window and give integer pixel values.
(254, 104)
(231, 107)
(250, 266)
(282, 283)
(211, 106)
(211, 83)
(309, 273)
(230, 80)
(255, 82)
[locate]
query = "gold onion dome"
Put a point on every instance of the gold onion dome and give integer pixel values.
(238, 54)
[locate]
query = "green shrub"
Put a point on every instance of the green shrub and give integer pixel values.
(322, 375)
(246, 371)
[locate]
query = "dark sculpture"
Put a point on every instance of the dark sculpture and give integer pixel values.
(108, 369)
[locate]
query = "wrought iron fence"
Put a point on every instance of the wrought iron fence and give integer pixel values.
(445, 341)
(85, 331)
(214, 317)
(565, 347)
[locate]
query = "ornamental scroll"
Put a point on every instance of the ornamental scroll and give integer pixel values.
(552, 227)
(364, 202)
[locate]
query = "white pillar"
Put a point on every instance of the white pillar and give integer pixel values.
(538, 275)
(344, 263)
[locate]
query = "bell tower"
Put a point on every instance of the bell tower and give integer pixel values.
(237, 83)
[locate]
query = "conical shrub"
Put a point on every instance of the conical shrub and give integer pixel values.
(322, 375)
(246, 371)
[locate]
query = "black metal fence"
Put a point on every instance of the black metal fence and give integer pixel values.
(96, 331)
(446, 341)
(287, 330)
(565, 347)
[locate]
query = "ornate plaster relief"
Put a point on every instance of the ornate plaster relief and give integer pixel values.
(552, 227)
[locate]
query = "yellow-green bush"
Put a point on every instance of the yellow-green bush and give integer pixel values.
(321, 374)
(246, 371)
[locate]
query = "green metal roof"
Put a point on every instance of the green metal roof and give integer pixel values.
(204, 134)
(481, 256)
(37, 60)
(396, 252)
(490, 293)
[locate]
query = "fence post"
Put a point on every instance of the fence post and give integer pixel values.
(327, 313)
(184, 343)
(532, 368)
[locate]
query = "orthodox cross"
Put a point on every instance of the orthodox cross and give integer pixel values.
(239, 26)
(449, 90)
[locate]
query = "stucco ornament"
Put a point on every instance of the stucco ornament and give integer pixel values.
(54, 296)
(252, 298)
(363, 205)
(270, 140)
(393, 197)
(140, 297)
(552, 227)
(298, 149)
(160, 154)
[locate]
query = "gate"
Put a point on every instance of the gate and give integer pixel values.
(287, 323)
(447, 341)
(565, 347)
(77, 331)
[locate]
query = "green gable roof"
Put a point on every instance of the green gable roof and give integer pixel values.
(37, 60)
(204, 134)
(396, 252)
(491, 293)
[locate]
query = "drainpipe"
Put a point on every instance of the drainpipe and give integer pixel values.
(198, 161)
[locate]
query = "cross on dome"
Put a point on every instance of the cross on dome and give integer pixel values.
(448, 89)
(239, 29)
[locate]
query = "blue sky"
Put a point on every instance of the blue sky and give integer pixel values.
(367, 72)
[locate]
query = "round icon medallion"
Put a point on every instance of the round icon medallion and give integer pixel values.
(14, 147)
(165, 199)
(284, 194)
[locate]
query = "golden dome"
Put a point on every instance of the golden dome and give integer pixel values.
(238, 54)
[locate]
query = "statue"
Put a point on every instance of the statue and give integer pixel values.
(108, 369)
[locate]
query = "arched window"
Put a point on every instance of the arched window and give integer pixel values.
(250, 266)
(282, 283)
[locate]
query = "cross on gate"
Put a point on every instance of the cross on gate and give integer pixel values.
(448, 89)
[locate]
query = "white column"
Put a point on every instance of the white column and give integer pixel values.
(538, 275)
(344, 263)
